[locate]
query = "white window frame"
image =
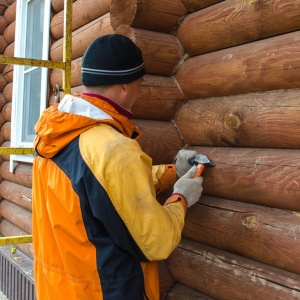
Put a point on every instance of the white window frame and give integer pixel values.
(18, 79)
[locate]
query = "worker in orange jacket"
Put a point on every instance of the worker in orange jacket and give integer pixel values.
(98, 230)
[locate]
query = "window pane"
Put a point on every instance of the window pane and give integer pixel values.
(31, 109)
(35, 20)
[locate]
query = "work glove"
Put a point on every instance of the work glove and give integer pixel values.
(190, 188)
(182, 161)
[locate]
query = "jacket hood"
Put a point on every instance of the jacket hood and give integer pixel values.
(63, 122)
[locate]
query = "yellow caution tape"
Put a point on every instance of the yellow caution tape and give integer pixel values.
(17, 151)
(21, 239)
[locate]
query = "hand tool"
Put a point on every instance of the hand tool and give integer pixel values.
(200, 161)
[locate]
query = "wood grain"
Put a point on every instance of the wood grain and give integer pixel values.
(266, 120)
(160, 140)
(16, 215)
(155, 15)
(22, 173)
(161, 51)
(237, 22)
(17, 194)
(227, 276)
(266, 65)
(83, 12)
(267, 177)
(267, 235)
(82, 38)
(194, 5)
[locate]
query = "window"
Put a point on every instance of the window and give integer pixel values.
(30, 83)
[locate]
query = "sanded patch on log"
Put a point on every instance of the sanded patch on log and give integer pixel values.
(194, 5)
(268, 177)
(83, 12)
(22, 173)
(216, 272)
(17, 194)
(160, 140)
(16, 215)
(9, 229)
(161, 51)
(156, 15)
(267, 120)
(82, 38)
(236, 22)
(182, 292)
(270, 64)
(268, 235)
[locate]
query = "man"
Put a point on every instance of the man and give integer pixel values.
(98, 229)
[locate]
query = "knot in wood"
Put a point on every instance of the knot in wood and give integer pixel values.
(233, 121)
(249, 221)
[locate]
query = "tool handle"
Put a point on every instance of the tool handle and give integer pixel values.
(199, 171)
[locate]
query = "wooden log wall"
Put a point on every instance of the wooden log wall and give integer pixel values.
(222, 79)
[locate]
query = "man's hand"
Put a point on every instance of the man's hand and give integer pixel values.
(182, 161)
(189, 187)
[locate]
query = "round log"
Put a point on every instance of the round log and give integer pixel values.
(3, 44)
(166, 280)
(160, 140)
(16, 215)
(22, 173)
(82, 38)
(267, 120)
(194, 5)
(266, 65)
(83, 12)
(58, 5)
(6, 111)
(2, 82)
(2, 101)
(158, 92)
(155, 15)
(5, 129)
(10, 13)
(3, 24)
(17, 194)
(182, 292)
(267, 235)
(237, 22)
(267, 177)
(8, 73)
(9, 229)
(9, 33)
(7, 92)
(2, 120)
(9, 50)
(161, 51)
(223, 275)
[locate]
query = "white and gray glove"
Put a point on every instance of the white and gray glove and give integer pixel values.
(190, 188)
(182, 161)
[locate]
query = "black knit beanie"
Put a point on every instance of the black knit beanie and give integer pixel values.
(112, 59)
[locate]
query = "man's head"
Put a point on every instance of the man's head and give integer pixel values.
(112, 59)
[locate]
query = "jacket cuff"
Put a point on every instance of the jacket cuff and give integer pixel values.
(177, 198)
